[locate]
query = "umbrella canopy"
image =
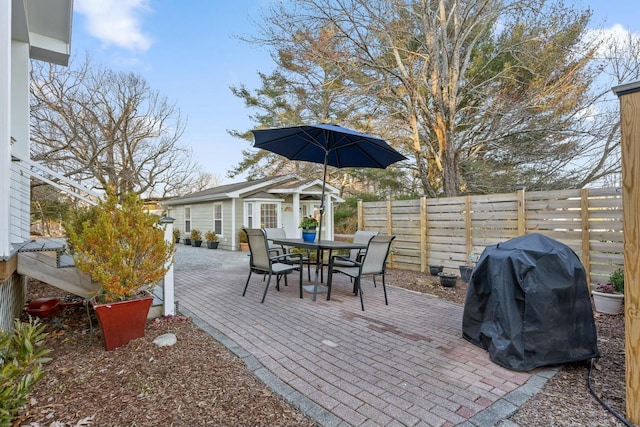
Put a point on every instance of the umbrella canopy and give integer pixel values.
(338, 146)
(328, 144)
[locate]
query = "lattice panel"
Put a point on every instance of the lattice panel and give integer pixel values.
(12, 294)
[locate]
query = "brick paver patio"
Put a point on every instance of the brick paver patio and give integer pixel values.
(401, 364)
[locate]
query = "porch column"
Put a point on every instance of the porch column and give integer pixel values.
(328, 217)
(5, 120)
(296, 213)
(20, 212)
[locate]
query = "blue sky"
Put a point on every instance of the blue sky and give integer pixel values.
(189, 51)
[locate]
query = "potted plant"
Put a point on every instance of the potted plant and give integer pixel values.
(467, 269)
(187, 239)
(196, 238)
(176, 235)
(308, 225)
(244, 242)
(435, 269)
(212, 239)
(609, 297)
(123, 249)
(448, 280)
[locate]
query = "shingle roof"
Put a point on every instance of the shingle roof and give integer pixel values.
(226, 191)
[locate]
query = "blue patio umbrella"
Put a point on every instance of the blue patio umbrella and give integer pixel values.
(330, 145)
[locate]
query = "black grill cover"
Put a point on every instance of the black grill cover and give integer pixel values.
(528, 304)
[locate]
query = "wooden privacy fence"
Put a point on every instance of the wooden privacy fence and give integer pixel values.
(453, 231)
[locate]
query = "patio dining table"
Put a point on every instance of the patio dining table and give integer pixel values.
(319, 247)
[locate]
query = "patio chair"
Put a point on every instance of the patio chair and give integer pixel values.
(278, 249)
(261, 262)
(360, 236)
(276, 233)
(373, 263)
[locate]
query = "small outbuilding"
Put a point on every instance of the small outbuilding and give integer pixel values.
(271, 202)
(528, 304)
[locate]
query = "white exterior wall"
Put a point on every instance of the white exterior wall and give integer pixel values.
(5, 123)
(177, 212)
(20, 183)
(202, 217)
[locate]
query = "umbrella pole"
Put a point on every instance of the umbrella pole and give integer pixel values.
(320, 261)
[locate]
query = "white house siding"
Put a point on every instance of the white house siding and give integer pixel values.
(239, 221)
(177, 213)
(226, 238)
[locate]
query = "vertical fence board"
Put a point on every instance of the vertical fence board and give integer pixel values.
(448, 230)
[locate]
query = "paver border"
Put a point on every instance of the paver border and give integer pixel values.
(307, 406)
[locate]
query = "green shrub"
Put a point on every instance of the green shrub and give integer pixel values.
(196, 234)
(211, 236)
(120, 246)
(22, 354)
(617, 280)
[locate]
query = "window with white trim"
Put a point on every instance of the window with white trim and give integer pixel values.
(217, 218)
(187, 219)
(269, 215)
(263, 214)
(250, 215)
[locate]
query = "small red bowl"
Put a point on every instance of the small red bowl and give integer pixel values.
(43, 307)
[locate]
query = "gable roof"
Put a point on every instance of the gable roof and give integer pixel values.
(286, 184)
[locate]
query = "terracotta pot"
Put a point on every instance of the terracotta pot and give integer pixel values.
(608, 303)
(244, 246)
(122, 321)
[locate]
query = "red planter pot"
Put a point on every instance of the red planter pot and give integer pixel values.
(123, 321)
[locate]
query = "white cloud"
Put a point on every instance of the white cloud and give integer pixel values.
(116, 22)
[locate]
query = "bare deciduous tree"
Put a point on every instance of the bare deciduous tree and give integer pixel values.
(108, 129)
(492, 84)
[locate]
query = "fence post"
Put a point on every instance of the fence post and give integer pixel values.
(389, 218)
(168, 297)
(424, 235)
(360, 210)
(629, 95)
(389, 228)
(521, 210)
(467, 225)
(584, 220)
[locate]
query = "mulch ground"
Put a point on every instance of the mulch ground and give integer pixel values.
(198, 382)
